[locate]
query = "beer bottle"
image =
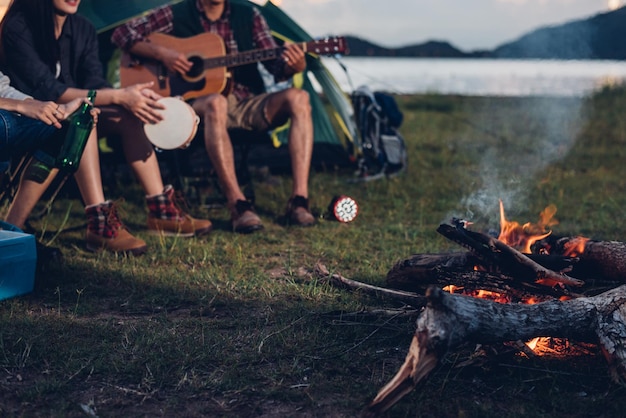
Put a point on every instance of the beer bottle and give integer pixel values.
(80, 124)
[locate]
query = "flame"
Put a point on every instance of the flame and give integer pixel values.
(522, 237)
(575, 247)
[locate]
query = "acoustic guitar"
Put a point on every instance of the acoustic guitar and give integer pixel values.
(209, 73)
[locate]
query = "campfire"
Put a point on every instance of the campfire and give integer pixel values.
(526, 286)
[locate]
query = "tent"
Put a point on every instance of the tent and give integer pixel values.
(334, 127)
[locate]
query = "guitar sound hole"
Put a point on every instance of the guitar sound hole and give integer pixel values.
(197, 68)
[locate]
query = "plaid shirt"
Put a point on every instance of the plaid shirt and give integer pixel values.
(162, 20)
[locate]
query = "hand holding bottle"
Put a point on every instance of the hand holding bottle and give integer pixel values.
(65, 110)
(80, 124)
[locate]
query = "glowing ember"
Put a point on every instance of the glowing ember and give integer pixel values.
(555, 347)
(522, 237)
(532, 344)
(452, 289)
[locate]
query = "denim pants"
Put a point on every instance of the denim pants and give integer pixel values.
(21, 134)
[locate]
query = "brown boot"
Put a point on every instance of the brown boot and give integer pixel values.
(298, 212)
(167, 218)
(244, 219)
(105, 231)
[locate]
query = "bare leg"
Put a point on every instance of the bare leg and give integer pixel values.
(295, 105)
(137, 149)
(88, 176)
(213, 110)
(28, 194)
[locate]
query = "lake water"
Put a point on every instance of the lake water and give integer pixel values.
(477, 77)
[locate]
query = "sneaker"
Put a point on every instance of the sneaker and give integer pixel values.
(244, 219)
(167, 218)
(105, 231)
(298, 212)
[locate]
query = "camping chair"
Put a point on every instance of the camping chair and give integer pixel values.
(11, 178)
(10, 182)
(190, 169)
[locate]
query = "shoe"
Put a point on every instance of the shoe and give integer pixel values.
(298, 212)
(167, 218)
(244, 219)
(105, 231)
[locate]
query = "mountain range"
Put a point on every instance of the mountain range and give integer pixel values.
(598, 37)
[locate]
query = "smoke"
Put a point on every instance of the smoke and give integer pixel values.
(537, 133)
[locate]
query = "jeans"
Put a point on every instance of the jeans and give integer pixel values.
(21, 134)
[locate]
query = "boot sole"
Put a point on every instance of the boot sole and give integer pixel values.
(170, 234)
(197, 233)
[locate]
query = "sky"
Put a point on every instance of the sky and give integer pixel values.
(467, 24)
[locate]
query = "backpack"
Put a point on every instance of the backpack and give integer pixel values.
(382, 147)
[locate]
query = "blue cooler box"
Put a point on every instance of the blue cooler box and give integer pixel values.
(18, 261)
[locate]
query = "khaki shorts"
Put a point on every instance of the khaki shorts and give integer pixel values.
(250, 113)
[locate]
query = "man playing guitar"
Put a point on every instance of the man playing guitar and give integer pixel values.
(244, 105)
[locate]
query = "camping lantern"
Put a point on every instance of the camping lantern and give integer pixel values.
(343, 208)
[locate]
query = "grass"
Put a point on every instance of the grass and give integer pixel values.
(231, 325)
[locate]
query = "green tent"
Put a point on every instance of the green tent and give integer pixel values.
(334, 126)
(107, 14)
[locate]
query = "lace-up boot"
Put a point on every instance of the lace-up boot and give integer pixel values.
(166, 217)
(105, 231)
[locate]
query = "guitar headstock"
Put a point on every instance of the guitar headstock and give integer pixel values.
(328, 46)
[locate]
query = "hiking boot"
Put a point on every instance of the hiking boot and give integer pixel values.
(244, 219)
(105, 231)
(298, 212)
(165, 217)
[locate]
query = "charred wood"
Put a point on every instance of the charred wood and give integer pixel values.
(603, 260)
(508, 260)
(450, 320)
(338, 280)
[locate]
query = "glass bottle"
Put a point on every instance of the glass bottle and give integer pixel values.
(80, 124)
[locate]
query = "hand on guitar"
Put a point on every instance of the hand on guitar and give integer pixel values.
(293, 56)
(174, 61)
(142, 102)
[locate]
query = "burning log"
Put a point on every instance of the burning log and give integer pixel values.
(498, 266)
(506, 258)
(547, 275)
(604, 260)
(450, 320)
(417, 273)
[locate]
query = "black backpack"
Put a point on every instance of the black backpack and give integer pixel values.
(382, 147)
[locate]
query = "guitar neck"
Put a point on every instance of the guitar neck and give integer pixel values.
(259, 55)
(242, 58)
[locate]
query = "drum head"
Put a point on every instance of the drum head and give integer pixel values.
(177, 128)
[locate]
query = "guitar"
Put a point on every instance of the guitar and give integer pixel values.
(209, 73)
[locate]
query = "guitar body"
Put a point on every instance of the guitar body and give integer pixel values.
(199, 81)
(209, 74)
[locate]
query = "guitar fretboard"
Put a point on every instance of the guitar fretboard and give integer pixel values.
(258, 55)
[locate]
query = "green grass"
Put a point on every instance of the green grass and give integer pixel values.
(231, 325)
